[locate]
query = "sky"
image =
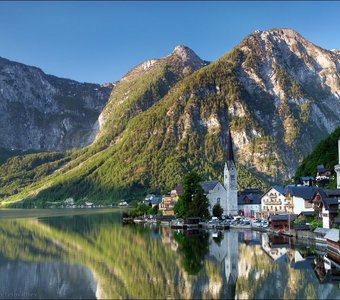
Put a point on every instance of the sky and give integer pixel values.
(99, 42)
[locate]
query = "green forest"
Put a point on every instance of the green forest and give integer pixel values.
(325, 153)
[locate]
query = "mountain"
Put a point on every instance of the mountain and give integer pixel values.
(277, 91)
(44, 112)
(325, 153)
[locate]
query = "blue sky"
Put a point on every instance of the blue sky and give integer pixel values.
(101, 41)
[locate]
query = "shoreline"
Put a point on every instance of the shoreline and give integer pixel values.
(18, 213)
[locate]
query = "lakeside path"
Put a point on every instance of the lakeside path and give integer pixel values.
(14, 213)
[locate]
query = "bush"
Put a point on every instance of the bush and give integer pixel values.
(217, 211)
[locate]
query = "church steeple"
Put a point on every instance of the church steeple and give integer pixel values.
(230, 151)
(230, 179)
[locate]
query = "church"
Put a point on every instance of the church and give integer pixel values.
(225, 195)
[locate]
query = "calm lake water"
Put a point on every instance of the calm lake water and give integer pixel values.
(89, 256)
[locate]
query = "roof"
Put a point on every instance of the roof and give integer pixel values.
(230, 164)
(207, 186)
(254, 199)
(305, 192)
(307, 213)
(321, 230)
(179, 189)
(332, 235)
(328, 197)
(305, 178)
(320, 168)
(283, 217)
(251, 191)
(301, 227)
(332, 192)
(277, 188)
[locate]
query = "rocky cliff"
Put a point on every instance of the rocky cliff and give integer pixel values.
(44, 112)
(292, 90)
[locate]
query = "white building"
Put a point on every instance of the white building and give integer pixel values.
(216, 194)
(326, 204)
(249, 204)
(273, 201)
(301, 197)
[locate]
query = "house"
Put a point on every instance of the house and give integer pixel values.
(300, 198)
(322, 175)
(176, 192)
(273, 201)
(152, 200)
(326, 205)
(249, 202)
(333, 244)
(216, 193)
(282, 222)
(306, 181)
(167, 205)
(168, 201)
(69, 202)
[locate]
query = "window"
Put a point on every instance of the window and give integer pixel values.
(308, 204)
(218, 201)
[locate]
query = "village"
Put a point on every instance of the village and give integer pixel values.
(304, 210)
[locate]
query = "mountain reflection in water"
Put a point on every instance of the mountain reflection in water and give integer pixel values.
(94, 255)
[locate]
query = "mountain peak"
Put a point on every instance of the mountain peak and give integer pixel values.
(184, 56)
(277, 34)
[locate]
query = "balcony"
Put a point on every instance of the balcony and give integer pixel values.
(272, 202)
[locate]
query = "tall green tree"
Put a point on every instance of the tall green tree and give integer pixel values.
(193, 202)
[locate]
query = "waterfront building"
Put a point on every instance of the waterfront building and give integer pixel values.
(337, 167)
(249, 202)
(167, 205)
(168, 202)
(326, 205)
(300, 197)
(282, 222)
(152, 200)
(273, 201)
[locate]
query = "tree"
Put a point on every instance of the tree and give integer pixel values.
(179, 209)
(217, 210)
(193, 202)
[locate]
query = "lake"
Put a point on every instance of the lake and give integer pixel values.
(91, 255)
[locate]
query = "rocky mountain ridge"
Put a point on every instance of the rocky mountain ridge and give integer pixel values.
(44, 112)
(278, 92)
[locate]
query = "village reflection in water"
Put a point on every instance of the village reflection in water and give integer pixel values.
(116, 261)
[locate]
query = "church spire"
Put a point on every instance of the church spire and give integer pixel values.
(230, 151)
